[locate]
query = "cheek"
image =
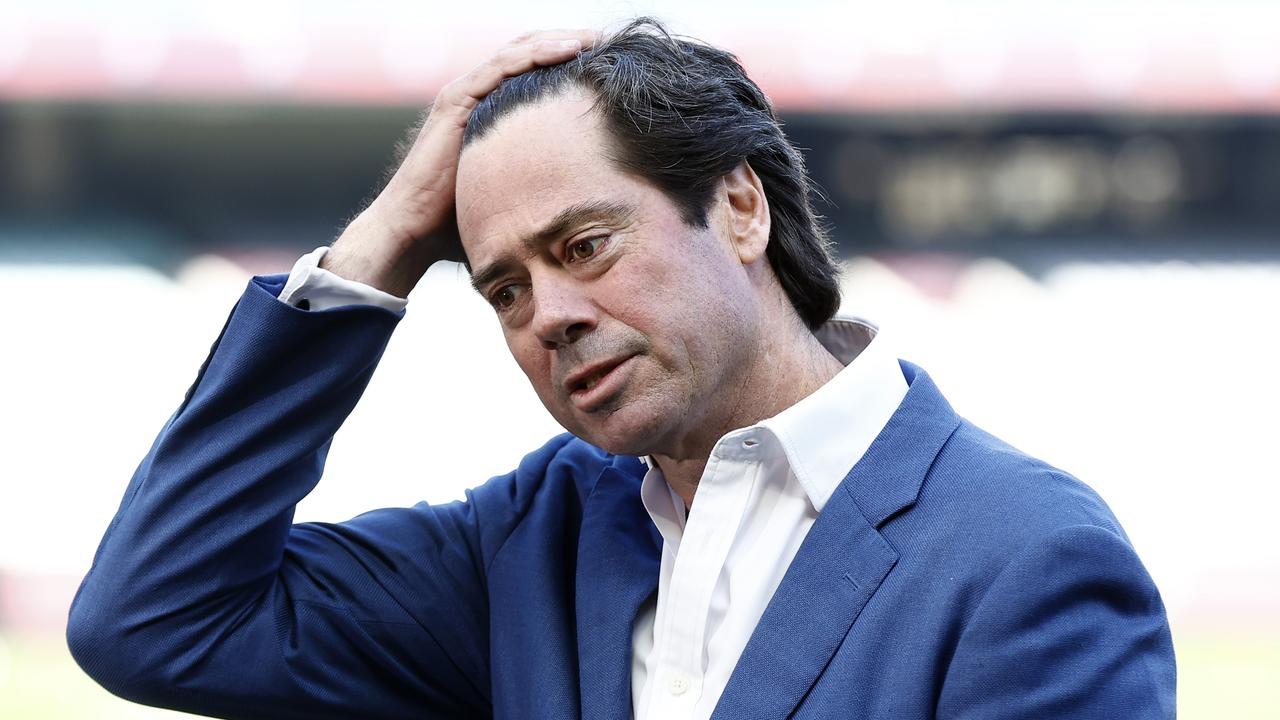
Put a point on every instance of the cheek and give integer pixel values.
(532, 359)
(694, 319)
(666, 301)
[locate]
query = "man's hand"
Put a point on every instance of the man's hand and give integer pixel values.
(411, 225)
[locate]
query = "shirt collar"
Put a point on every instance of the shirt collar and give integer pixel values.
(824, 435)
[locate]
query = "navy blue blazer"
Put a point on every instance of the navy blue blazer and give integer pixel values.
(950, 576)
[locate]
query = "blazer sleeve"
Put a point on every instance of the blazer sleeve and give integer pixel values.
(1073, 627)
(203, 596)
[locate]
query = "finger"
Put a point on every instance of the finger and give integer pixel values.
(588, 37)
(454, 103)
(552, 52)
(523, 58)
(463, 94)
(529, 50)
(547, 47)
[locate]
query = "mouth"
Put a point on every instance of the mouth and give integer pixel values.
(590, 387)
(591, 381)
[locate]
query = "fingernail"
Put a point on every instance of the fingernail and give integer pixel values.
(566, 44)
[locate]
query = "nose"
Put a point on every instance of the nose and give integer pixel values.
(562, 312)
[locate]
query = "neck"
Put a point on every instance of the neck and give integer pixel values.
(789, 366)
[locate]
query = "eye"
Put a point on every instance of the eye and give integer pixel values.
(583, 249)
(505, 296)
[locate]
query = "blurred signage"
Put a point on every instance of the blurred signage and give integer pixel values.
(808, 54)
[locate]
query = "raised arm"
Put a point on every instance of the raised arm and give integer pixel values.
(203, 596)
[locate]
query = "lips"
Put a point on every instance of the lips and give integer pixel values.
(589, 377)
(595, 386)
(591, 381)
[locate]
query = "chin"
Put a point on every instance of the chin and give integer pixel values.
(628, 430)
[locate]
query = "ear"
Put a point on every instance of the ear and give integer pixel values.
(748, 212)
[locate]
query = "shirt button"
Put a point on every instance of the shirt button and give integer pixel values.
(678, 684)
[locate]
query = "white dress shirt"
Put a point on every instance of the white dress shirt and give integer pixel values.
(761, 491)
(759, 495)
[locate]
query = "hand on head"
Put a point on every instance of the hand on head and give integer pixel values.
(410, 224)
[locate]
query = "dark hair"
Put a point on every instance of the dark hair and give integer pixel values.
(682, 115)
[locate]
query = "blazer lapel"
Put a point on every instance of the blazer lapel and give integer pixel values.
(841, 562)
(618, 564)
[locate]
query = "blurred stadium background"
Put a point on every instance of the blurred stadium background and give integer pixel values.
(1069, 214)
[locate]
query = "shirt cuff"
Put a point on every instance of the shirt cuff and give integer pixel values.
(311, 287)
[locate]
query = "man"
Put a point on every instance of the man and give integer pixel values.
(812, 532)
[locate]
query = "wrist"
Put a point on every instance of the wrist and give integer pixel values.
(370, 251)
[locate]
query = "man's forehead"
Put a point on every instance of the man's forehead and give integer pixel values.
(533, 164)
(563, 114)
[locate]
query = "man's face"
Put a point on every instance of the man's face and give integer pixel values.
(631, 325)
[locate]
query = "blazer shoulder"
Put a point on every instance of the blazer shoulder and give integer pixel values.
(565, 460)
(988, 495)
(564, 470)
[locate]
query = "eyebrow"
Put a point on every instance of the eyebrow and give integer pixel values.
(567, 219)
